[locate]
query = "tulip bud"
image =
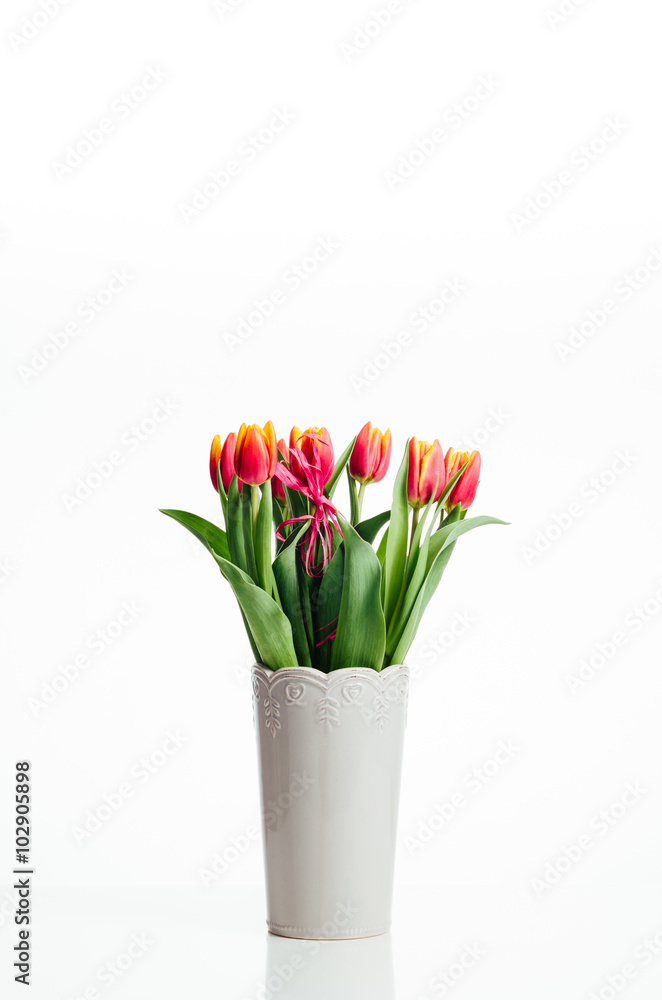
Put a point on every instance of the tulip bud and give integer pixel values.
(214, 459)
(464, 491)
(371, 455)
(315, 443)
(225, 456)
(277, 487)
(426, 467)
(227, 462)
(255, 453)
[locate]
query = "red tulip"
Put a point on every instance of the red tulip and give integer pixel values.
(225, 456)
(371, 455)
(276, 485)
(464, 491)
(315, 443)
(426, 467)
(255, 453)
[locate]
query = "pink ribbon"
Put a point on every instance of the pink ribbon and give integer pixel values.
(306, 477)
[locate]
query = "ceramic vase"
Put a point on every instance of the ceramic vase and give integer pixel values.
(329, 758)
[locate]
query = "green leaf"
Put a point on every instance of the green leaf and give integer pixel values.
(247, 531)
(361, 634)
(234, 525)
(269, 627)
(381, 549)
(296, 502)
(442, 543)
(353, 499)
(215, 541)
(213, 538)
(277, 514)
(455, 515)
(327, 610)
(294, 601)
(221, 491)
(308, 590)
(330, 487)
(369, 528)
(263, 541)
(395, 557)
(415, 547)
(255, 651)
(441, 535)
(414, 582)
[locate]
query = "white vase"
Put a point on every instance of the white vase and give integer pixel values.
(330, 755)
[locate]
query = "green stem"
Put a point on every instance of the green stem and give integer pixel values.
(414, 525)
(255, 504)
(361, 492)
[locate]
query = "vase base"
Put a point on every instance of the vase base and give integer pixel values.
(344, 934)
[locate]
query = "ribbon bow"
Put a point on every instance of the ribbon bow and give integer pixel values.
(306, 477)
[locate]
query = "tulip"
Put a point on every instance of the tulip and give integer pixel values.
(276, 485)
(315, 443)
(214, 459)
(464, 491)
(426, 467)
(370, 456)
(225, 456)
(255, 453)
(227, 462)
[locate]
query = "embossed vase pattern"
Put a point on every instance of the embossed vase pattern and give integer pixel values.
(330, 757)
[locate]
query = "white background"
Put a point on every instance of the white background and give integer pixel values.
(563, 417)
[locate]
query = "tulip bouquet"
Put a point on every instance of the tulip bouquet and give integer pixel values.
(313, 588)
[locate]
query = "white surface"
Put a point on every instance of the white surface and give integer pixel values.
(522, 622)
(216, 944)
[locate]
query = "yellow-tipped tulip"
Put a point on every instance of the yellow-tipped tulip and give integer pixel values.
(316, 444)
(426, 467)
(464, 491)
(256, 453)
(225, 456)
(214, 459)
(370, 456)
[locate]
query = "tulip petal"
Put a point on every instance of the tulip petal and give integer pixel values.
(214, 459)
(385, 458)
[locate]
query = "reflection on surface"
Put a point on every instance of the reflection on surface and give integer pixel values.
(327, 970)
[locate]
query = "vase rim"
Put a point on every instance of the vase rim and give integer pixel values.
(314, 672)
